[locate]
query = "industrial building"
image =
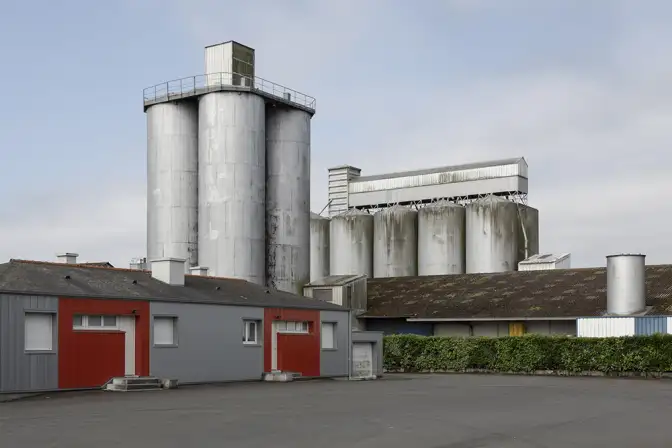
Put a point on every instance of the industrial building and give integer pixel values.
(68, 326)
(228, 172)
(625, 298)
(451, 220)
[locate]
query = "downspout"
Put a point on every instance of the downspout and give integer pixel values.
(522, 226)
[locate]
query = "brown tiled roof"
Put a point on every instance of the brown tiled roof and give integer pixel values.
(533, 294)
(100, 264)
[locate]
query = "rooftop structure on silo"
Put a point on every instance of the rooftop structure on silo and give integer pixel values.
(349, 189)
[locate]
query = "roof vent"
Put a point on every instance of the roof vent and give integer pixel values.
(199, 270)
(626, 284)
(169, 270)
(67, 258)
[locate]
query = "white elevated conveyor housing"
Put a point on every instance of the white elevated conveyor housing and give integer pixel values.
(347, 189)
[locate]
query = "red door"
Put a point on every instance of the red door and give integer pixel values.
(297, 353)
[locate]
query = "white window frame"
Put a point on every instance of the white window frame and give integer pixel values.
(85, 323)
(50, 332)
(247, 323)
(292, 327)
(334, 346)
(173, 322)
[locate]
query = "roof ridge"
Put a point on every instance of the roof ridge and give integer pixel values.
(75, 265)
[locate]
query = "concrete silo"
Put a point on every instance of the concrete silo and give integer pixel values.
(395, 242)
(351, 243)
(492, 227)
(172, 181)
(287, 198)
(441, 239)
(319, 247)
(232, 189)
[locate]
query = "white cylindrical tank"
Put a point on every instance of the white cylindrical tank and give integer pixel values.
(395, 242)
(441, 239)
(232, 187)
(491, 235)
(351, 243)
(319, 247)
(287, 199)
(172, 181)
(626, 284)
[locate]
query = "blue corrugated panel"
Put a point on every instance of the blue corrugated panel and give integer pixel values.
(650, 325)
(400, 326)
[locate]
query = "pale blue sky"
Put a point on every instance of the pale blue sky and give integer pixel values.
(581, 88)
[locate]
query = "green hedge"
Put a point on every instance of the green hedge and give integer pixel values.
(524, 354)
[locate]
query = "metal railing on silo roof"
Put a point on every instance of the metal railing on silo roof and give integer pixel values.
(225, 81)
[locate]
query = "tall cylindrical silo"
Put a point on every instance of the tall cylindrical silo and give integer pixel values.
(287, 198)
(626, 284)
(319, 247)
(351, 243)
(395, 242)
(172, 181)
(492, 235)
(441, 239)
(231, 192)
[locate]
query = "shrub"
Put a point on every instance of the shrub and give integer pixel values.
(411, 353)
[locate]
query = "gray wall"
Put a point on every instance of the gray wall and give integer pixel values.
(501, 328)
(335, 362)
(375, 337)
(209, 344)
(21, 371)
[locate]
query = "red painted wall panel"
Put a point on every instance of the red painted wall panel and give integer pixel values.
(76, 370)
(99, 356)
(296, 352)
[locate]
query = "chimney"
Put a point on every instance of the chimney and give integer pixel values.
(199, 270)
(169, 270)
(626, 284)
(67, 258)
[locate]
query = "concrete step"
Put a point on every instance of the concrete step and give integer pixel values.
(134, 383)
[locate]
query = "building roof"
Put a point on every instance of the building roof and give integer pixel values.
(334, 280)
(545, 258)
(72, 280)
(101, 264)
(562, 293)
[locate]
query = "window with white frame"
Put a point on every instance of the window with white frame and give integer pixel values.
(165, 331)
(39, 332)
(251, 332)
(328, 335)
(82, 322)
(292, 327)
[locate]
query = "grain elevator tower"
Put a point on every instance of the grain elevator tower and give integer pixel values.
(229, 172)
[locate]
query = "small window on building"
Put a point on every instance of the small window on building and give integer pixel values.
(80, 322)
(328, 335)
(109, 321)
(39, 332)
(292, 327)
(165, 333)
(324, 295)
(251, 332)
(77, 321)
(94, 321)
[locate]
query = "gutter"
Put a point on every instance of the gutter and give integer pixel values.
(487, 319)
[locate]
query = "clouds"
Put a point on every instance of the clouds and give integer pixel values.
(581, 89)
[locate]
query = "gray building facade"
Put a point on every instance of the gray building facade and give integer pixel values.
(334, 361)
(24, 370)
(209, 344)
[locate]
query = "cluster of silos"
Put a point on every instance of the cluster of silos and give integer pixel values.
(490, 234)
(229, 186)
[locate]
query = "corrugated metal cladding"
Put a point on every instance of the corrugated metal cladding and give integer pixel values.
(602, 327)
(650, 325)
(438, 176)
(21, 371)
